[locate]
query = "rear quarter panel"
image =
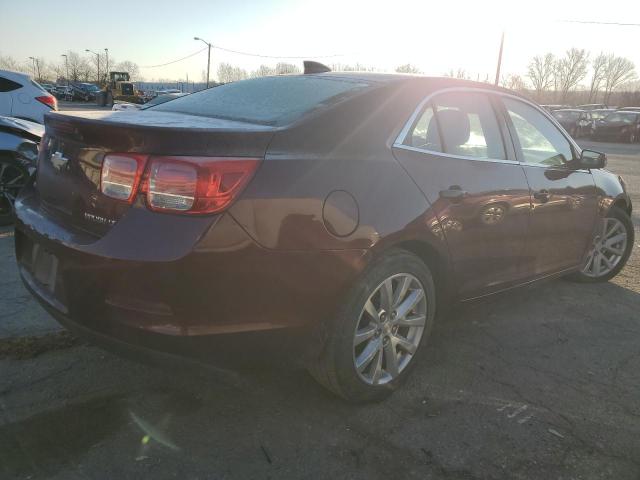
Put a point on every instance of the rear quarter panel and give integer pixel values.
(347, 148)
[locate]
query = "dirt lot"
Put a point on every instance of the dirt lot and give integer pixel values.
(540, 383)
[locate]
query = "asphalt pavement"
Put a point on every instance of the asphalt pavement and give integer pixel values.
(541, 383)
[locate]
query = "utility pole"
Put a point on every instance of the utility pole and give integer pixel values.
(499, 59)
(36, 68)
(66, 67)
(106, 52)
(208, 57)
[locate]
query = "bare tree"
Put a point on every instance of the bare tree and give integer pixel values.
(407, 68)
(570, 70)
(130, 67)
(460, 73)
(514, 82)
(228, 73)
(79, 68)
(618, 70)
(357, 67)
(541, 72)
(263, 71)
(283, 68)
(9, 63)
(598, 66)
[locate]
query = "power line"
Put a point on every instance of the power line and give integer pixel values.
(175, 61)
(604, 23)
(246, 54)
(278, 56)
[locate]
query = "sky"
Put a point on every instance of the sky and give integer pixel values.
(435, 36)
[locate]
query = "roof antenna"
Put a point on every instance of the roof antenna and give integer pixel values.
(314, 67)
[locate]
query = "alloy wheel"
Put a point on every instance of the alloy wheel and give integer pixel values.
(607, 249)
(389, 329)
(12, 179)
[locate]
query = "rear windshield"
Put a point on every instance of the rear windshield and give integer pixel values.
(268, 100)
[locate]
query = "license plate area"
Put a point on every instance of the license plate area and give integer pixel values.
(44, 267)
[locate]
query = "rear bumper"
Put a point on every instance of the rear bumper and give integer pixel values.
(226, 298)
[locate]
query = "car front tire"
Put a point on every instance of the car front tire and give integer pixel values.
(609, 250)
(374, 340)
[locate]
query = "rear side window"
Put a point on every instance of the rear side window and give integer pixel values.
(424, 134)
(468, 125)
(7, 85)
(540, 140)
(268, 100)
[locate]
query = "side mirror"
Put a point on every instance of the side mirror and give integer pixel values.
(592, 159)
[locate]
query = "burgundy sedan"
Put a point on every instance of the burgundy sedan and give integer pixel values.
(325, 218)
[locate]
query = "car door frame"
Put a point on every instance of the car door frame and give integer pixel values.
(575, 149)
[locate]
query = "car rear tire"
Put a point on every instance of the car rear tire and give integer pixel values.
(609, 250)
(14, 174)
(374, 340)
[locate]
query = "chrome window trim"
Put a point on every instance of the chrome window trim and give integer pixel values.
(450, 155)
(398, 143)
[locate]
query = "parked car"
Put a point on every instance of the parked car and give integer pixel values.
(84, 91)
(48, 87)
(122, 106)
(64, 92)
(623, 125)
(18, 155)
(21, 97)
(592, 106)
(323, 218)
(577, 122)
(551, 108)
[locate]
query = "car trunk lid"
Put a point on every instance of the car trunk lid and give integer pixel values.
(74, 148)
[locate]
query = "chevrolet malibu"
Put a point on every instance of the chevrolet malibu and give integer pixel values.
(324, 218)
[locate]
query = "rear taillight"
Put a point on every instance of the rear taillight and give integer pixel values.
(191, 185)
(49, 101)
(196, 185)
(121, 174)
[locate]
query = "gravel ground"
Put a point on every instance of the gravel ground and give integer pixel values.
(540, 383)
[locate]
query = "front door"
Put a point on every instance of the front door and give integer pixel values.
(564, 199)
(454, 151)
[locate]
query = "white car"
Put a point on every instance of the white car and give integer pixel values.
(21, 97)
(125, 106)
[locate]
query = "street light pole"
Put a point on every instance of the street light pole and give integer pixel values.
(499, 59)
(97, 60)
(106, 52)
(208, 57)
(66, 67)
(34, 65)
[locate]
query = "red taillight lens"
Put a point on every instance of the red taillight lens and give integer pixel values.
(196, 185)
(121, 174)
(49, 101)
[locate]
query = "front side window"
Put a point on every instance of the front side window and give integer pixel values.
(540, 140)
(468, 125)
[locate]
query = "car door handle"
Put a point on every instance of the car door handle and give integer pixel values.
(542, 195)
(454, 192)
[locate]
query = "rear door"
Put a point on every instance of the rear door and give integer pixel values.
(455, 151)
(564, 199)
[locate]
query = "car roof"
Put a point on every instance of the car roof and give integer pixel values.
(15, 75)
(407, 79)
(569, 110)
